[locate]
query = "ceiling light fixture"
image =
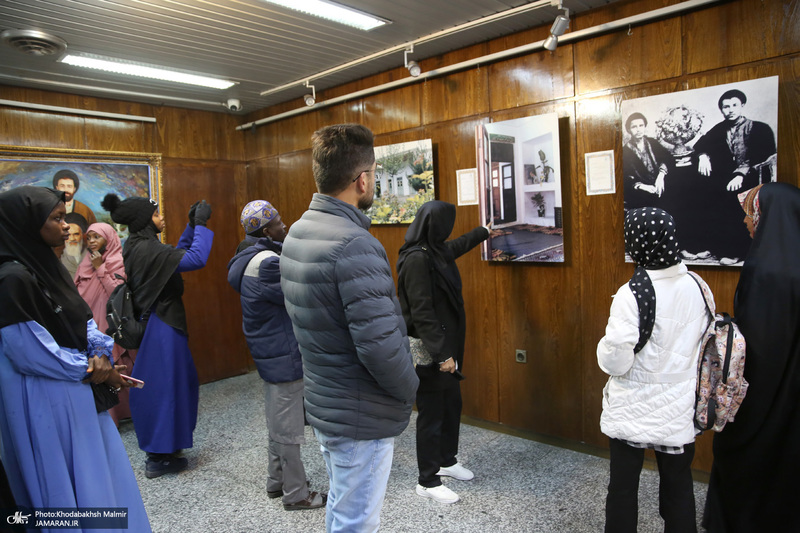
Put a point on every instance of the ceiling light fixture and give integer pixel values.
(335, 12)
(412, 66)
(310, 99)
(560, 25)
(131, 69)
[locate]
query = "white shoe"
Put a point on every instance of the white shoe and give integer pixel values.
(456, 472)
(441, 494)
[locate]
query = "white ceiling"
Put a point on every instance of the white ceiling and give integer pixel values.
(258, 45)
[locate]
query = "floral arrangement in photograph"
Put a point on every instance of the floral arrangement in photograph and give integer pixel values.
(677, 126)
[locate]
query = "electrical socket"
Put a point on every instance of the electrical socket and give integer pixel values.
(521, 356)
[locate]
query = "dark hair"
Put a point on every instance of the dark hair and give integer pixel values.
(339, 152)
(733, 93)
(66, 174)
(78, 219)
(634, 116)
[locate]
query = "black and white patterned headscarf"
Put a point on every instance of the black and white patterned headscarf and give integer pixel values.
(650, 241)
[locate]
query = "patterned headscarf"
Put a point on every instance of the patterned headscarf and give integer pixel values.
(256, 215)
(650, 241)
(749, 201)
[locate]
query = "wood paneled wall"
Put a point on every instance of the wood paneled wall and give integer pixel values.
(202, 158)
(557, 312)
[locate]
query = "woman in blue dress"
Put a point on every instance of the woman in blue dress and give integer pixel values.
(164, 412)
(58, 451)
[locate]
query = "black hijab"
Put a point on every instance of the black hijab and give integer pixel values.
(29, 268)
(767, 310)
(150, 266)
(431, 227)
(650, 241)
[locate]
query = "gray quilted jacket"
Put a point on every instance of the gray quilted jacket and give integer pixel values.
(359, 377)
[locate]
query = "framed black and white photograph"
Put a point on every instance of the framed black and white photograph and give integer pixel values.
(693, 152)
(519, 183)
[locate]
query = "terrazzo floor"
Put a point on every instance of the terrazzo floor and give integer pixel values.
(520, 485)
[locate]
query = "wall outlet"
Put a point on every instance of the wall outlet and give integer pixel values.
(521, 356)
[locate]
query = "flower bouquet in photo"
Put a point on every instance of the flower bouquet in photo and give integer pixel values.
(676, 127)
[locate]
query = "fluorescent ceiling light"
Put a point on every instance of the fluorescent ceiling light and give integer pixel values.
(146, 72)
(334, 12)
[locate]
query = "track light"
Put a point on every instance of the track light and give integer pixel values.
(310, 99)
(560, 25)
(412, 66)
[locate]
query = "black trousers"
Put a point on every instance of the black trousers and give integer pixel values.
(675, 489)
(438, 423)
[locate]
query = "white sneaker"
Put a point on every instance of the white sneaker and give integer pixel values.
(441, 494)
(456, 472)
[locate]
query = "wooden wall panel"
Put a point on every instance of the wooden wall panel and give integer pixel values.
(213, 310)
(539, 77)
(395, 110)
(739, 32)
(295, 133)
(197, 134)
(455, 96)
(262, 141)
(650, 52)
(346, 113)
(22, 127)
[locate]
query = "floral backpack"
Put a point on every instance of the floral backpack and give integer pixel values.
(721, 386)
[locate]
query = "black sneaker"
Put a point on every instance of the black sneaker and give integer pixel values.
(156, 468)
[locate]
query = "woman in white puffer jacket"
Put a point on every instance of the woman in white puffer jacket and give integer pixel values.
(650, 350)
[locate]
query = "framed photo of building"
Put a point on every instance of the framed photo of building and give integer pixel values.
(404, 180)
(519, 185)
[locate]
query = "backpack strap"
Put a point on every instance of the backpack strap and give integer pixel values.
(708, 296)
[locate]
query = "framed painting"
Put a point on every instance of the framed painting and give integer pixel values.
(404, 180)
(519, 188)
(85, 177)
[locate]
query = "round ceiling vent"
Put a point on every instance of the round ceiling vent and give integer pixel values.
(33, 42)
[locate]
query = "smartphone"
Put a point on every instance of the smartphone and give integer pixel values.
(138, 383)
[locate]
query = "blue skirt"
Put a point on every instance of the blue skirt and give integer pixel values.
(164, 412)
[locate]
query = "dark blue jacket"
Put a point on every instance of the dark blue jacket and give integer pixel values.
(359, 377)
(265, 322)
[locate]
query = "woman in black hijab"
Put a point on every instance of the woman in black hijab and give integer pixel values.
(57, 449)
(756, 458)
(164, 412)
(429, 288)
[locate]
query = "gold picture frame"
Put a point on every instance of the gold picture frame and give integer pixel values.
(126, 174)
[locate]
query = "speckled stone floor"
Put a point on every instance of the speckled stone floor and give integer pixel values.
(520, 485)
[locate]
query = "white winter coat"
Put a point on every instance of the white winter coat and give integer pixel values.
(650, 396)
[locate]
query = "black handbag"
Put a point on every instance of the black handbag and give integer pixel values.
(104, 397)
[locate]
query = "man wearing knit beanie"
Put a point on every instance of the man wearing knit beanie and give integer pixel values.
(164, 412)
(255, 274)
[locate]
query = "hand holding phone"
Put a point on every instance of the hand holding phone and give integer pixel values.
(138, 383)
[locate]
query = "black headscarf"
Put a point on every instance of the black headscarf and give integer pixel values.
(767, 310)
(431, 227)
(650, 241)
(150, 265)
(23, 212)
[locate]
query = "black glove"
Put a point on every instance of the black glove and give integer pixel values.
(202, 213)
(192, 211)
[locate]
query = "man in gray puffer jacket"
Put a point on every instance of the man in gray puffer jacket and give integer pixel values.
(359, 378)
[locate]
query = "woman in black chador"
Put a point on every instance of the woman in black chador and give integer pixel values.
(756, 465)
(429, 287)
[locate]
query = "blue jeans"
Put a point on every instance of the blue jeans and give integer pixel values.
(358, 471)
